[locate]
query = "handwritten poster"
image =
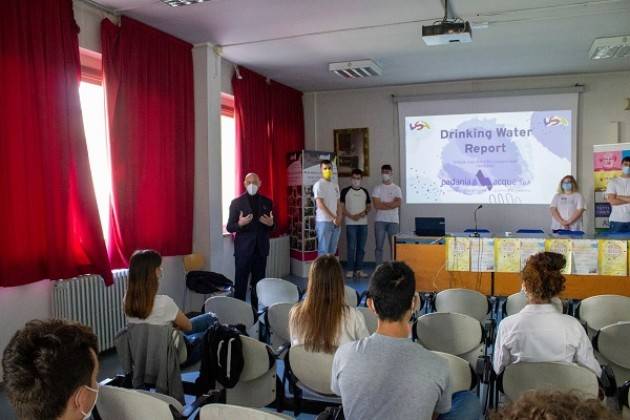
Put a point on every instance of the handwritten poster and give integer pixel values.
(529, 247)
(585, 256)
(613, 257)
(561, 246)
(507, 252)
(482, 254)
(457, 253)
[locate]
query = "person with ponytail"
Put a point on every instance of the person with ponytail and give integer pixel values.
(144, 305)
(539, 333)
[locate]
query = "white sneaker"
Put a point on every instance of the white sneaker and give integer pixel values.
(349, 274)
(361, 274)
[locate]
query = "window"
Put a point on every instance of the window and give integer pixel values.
(228, 154)
(92, 98)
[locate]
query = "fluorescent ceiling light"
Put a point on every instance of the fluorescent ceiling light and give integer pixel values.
(611, 47)
(177, 3)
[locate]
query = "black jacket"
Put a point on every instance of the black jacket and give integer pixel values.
(253, 237)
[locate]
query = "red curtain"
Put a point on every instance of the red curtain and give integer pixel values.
(148, 80)
(49, 223)
(269, 125)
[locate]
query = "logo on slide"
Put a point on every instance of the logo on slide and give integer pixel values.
(555, 121)
(483, 180)
(419, 125)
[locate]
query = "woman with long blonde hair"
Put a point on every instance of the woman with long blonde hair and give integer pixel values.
(323, 321)
(144, 305)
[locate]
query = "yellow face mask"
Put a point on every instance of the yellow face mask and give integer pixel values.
(327, 174)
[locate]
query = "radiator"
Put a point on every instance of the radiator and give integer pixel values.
(278, 261)
(87, 300)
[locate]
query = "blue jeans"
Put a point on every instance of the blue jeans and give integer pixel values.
(619, 227)
(194, 337)
(327, 237)
(357, 236)
(464, 406)
(380, 229)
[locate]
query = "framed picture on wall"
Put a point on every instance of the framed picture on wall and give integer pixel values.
(352, 147)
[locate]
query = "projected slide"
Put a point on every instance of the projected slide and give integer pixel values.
(503, 157)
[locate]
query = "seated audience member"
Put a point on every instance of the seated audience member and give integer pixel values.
(144, 305)
(50, 370)
(387, 375)
(538, 333)
(323, 321)
(554, 405)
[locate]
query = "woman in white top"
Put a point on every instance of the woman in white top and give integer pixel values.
(567, 206)
(323, 321)
(144, 305)
(539, 333)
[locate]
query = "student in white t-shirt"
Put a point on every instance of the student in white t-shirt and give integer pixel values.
(328, 212)
(618, 195)
(356, 206)
(323, 321)
(387, 198)
(567, 206)
(144, 305)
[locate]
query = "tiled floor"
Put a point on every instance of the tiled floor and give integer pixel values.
(110, 366)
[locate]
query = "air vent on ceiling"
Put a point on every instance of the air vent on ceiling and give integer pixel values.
(356, 69)
(612, 47)
(177, 3)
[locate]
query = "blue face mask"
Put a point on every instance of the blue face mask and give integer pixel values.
(626, 170)
(567, 186)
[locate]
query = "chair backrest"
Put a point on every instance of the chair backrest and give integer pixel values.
(602, 310)
(463, 301)
(352, 296)
(312, 370)
(230, 310)
(256, 359)
(228, 411)
(193, 262)
(129, 404)
(451, 333)
(516, 302)
(460, 373)
(521, 377)
(272, 290)
(613, 342)
(371, 320)
(278, 320)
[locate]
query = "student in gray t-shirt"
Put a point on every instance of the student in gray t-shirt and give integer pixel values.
(387, 375)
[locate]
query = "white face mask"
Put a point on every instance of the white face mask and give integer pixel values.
(252, 189)
(356, 183)
(387, 177)
(89, 413)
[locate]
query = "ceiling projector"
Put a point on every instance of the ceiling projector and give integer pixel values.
(446, 32)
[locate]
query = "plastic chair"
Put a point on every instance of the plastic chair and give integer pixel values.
(277, 319)
(371, 320)
(624, 398)
(195, 262)
(517, 301)
(453, 333)
(228, 411)
(613, 344)
(530, 231)
(310, 371)
(598, 311)
(519, 378)
(271, 290)
(461, 375)
(352, 296)
(256, 386)
(230, 310)
(130, 404)
(463, 301)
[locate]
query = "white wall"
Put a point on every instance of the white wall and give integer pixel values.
(602, 102)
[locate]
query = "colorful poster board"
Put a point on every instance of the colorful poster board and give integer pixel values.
(482, 255)
(508, 255)
(585, 256)
(457, 253)
(561, 246)
(529, 247)
(613, 257)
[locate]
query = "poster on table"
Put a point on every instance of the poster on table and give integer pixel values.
(585, 256)
(457, 253)
(561, 246)
(529, 247)
(606, 165)
(303, 172)
(482, 254)
(507, 252)
(613, 257)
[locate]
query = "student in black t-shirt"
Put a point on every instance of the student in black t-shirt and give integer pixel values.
(356, 203)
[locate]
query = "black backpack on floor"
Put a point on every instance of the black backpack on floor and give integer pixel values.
(207, 282)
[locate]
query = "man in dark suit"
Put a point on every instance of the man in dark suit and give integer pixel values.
(251, 221)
